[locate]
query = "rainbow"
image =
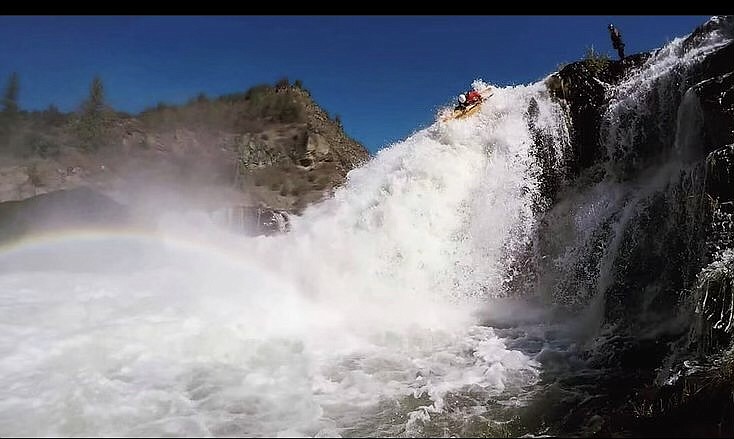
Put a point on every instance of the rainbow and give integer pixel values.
(103, 235)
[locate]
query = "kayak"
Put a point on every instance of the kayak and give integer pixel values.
(460, 113)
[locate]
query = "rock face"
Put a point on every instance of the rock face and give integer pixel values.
(584, 86)
(15, 183)
(704, 92)
(80, 207)
(252, 221)
(287, 167)
(716, 97)
(271, 148)
(650, 164)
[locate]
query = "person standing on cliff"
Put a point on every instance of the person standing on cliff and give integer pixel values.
(616, 40)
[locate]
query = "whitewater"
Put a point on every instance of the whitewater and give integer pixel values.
(364, 319)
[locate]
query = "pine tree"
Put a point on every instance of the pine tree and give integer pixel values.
(93, 121)
(10, 97)
(95, 104)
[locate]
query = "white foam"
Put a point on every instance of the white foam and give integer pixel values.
(360, 320)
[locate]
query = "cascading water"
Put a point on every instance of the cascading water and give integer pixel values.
(651, 131)
(625, 242)
(362, 320)
(374, 314)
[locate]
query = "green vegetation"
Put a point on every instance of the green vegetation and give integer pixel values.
(273, 103)
(247, 111)
(95, 104)
(596, 61)
(255, 93)
(92, 126)
(96, 125)
(282, 84)
(53, 117)
(256, 137)
(14, 126)
(10, 95)
(43, 146)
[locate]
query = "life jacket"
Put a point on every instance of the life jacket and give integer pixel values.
(473, 96)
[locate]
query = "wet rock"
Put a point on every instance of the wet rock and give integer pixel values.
(716, 97)
(252, 220)
(584, 87)
(720, 174)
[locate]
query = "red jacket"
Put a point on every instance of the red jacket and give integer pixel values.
(473, 97)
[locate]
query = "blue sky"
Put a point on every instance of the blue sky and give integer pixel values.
(385, 76)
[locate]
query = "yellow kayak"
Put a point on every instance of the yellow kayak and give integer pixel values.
(468, 111)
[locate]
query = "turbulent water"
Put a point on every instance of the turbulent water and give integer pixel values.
(380, 313)
(365, 319)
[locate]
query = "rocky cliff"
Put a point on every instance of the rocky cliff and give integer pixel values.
(637, 229)
(271, 149)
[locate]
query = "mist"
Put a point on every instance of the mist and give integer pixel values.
(140, 315)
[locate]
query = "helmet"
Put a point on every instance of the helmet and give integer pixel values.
(462, 98)
(611, 26)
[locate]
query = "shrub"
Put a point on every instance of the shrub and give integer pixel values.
(34, 174)
(10, 95)
(596, 61)
(43, 146)
(254, 93)
(93, 122)
(282, 84)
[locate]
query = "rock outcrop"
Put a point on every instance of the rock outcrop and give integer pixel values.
(660, 248)
(272, 149)
(81, 207)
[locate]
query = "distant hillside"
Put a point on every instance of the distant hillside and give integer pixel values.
(270, 146)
